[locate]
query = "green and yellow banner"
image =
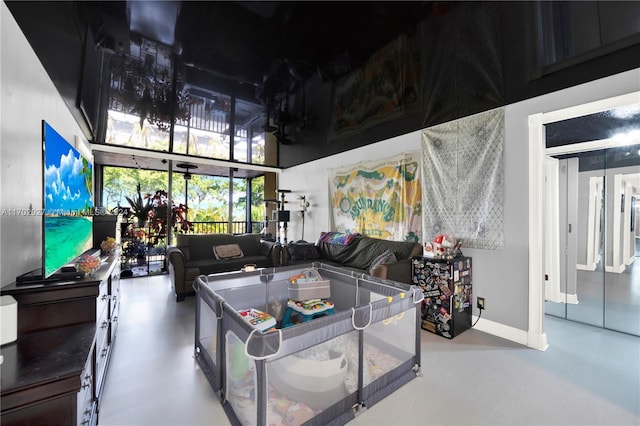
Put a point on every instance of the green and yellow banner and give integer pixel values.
(380, 199)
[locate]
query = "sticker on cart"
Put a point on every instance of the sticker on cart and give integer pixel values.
(443, 318)
(445, 290)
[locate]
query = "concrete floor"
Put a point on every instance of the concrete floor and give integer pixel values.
(588, 376)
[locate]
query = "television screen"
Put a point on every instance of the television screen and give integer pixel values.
(68, 202)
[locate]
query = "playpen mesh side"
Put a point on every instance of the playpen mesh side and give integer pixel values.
(241, 380)
(304, 384)
(208, 331)
(314, 372)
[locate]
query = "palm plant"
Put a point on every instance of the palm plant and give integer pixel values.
(140, 207)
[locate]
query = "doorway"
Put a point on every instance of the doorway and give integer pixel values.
(592, 258)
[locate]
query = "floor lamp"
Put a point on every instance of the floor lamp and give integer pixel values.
(304, 205)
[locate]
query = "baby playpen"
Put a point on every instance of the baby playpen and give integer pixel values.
(318, 372)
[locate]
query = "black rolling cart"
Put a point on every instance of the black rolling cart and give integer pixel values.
(447, 288)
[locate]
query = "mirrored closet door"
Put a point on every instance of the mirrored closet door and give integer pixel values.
(592, 238)
(622, 264)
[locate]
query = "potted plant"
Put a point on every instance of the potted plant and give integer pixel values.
(136, 249)
(140, 208)
(159, 213)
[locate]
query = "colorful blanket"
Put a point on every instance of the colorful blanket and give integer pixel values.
(338, 238)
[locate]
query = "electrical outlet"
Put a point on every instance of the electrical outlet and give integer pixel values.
(480, 303)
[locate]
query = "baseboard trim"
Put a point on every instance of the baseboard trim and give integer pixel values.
(572, 299)
(615, 269)
(513, 334)
(583, 267)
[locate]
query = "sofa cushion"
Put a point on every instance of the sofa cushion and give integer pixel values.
(384, 258)
(364, 250)
(214, 266)
(200, 245)
(302, 251)
(227, 251)
(249, 243)
(338, 238)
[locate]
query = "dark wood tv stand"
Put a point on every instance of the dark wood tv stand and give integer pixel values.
(54, 372)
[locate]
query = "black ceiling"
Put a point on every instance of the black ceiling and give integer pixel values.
(251, 42)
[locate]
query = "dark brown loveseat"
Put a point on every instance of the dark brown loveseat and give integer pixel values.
(193, 255)
(358, 255)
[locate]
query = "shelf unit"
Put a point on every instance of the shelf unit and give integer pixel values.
(154, 254)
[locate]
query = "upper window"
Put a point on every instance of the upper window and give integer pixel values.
(569, 30)
(208, 123)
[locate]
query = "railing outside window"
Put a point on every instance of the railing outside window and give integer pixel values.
(237, 227)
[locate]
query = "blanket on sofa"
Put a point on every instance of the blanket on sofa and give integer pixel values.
(363, 251)
(338, 238)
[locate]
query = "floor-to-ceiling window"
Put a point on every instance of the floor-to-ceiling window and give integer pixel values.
(156, 106)
(198, 203)
(206, 197)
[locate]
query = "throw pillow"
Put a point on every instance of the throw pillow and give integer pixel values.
(385, 258)
(338, 238)
(227, 251)
(302, 251)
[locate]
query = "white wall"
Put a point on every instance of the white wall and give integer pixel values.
(28, 97)
(502, 277)
(312, 180)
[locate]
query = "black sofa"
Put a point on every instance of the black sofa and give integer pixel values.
(357, 255)
(193, 255)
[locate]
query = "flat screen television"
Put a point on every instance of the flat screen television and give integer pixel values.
(67, 229)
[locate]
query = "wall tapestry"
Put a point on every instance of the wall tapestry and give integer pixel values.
(463, 175)
(385, 87)
(380, 199)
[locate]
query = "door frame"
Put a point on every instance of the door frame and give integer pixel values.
(537, 151)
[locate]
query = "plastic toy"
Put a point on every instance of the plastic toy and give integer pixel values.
(298, 414)
(258, 319)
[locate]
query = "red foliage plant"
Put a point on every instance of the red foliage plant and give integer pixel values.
(158, 214)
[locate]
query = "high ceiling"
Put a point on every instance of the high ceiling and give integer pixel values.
(257, 47)
(262, 43)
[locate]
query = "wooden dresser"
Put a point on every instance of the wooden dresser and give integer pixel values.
(54, 373)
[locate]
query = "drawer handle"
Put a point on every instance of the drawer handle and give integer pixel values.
(115, 319)
(105, 297)
(86, 385)
(86, 415)
(105, 324)
(104, 352)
